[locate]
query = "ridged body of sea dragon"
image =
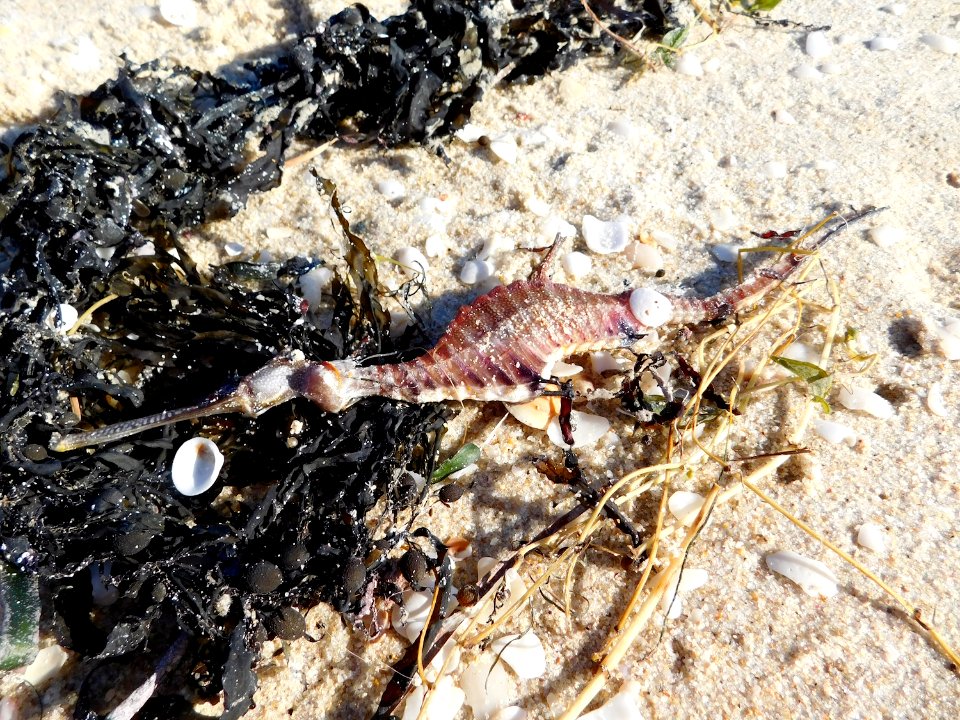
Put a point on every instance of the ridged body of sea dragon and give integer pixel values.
(501, 346)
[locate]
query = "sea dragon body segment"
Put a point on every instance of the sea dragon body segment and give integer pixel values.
(501, 346)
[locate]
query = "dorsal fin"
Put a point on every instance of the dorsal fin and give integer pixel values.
(541, 273)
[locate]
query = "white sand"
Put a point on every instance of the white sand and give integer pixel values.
(706, 159)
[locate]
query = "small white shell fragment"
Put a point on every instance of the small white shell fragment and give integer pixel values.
(587, 429)
(523, 653)
(495, 245)
(554, 226)
(651, 308)
(604, 361)
(314, 282)
(895, 9)
(504, 147)
(806, 72)
(712, 65)
(882, 42)
(576, 264)
(622, 706)
(887, 236)
(445, 700)
(784, 117)
(725, 252)
(196, 466)
(605, 236)
(948, 339)
(436, 245)
(871, 536)
(470, 133)
(775, 169)
(68, 317)
(560, 369)
(644, 257)
(45, 666)
(535, 413)
(180, 13)
(834, 432)
(409, 618)
(413, 703)
(485, 565)
(685, 506)
(690, 579)
(817, 45)
(475, 271)
(665, 240)
(540, 208)
(688, 64)
(511, 712)
(486, 686)
(624, 128)
(233, 248)
(804, 352)
(722, 219)
(87, 56)
(935, 403)
(831, 68)
(858, 398)
(392, 190)
(411, 259)
(813, 577)
(941, 43)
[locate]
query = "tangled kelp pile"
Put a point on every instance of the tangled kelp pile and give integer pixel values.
(92, 204)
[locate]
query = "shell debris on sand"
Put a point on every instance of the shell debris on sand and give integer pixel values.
(858, 398)
(685, 506)
(871, 536)
(834, 432)
(196, 466)
(622, 706)
(524, 654)
(606, 236)
(813, 577)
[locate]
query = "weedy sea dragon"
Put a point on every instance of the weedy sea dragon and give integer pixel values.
(501, 346)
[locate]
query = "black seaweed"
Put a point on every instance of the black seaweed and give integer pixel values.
(317, 510)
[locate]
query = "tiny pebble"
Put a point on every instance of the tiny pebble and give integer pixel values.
(233, 248)
(834, 432)
(948, 340)
(813, 577)
(685, 506)
(935, 402)
(436, 245)
(644, 257)
(775, 169)
(411, 259)
(712, 65)
(650, 307)
(576, 264)
(806, 72)
(725, 252)
(470, 133)
(804, 352)
(941, 43)
(504, 147)
(554, 226)
(475, 271)
(391, 189)
(688, 64)
(665, 240)
(314, 282)
(722, 219)
(784, 117)
(858, 398)
(278, 233)
(181, 13)
(496, 245)
(817, 44)
(831, 68)
(882, 42)
(540, 208)
(605, 236)
(624, 128)
(871, 536)
(887, 236)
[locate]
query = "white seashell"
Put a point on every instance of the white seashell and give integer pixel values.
(858, 398)
(196, 466)
(817, 44)
(485, 565)
(576, 264)
(650, 307)
(622, 706)
(523, 653)
(233, 248)
(882, 42)
(623, 128)
(834, 432)
(538, 207)
(411, 259)
(436, 245)
(784, 117)
(504, 147)
(62, 318)
(536, 413)
(688, 64)
(444, 701)
(722, 219)
(948, 339)
(486, 686)
(587, 429)
(409, 618)
(831, 68)
(554, 226)
(644, 257)
(726, 252)
(775, 169)
(560, 369)
(276, 234)
(392, 190)
(45, 666)
(806, 72)
(495, 245)
(605, 237)
(712, 65)
(813, 577)
(685, 506)
(314, 282)
(824, 165)
(604, 361)
(470, 133)
(475, 271)
(896, 9)
(181, 13)
(801, 351)
(941, 43)
(886, 236)
(87, 57)
(413, 703)
(511, 712)
(665, 240)
(871, 536)
(935, 403)
(690, 579)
